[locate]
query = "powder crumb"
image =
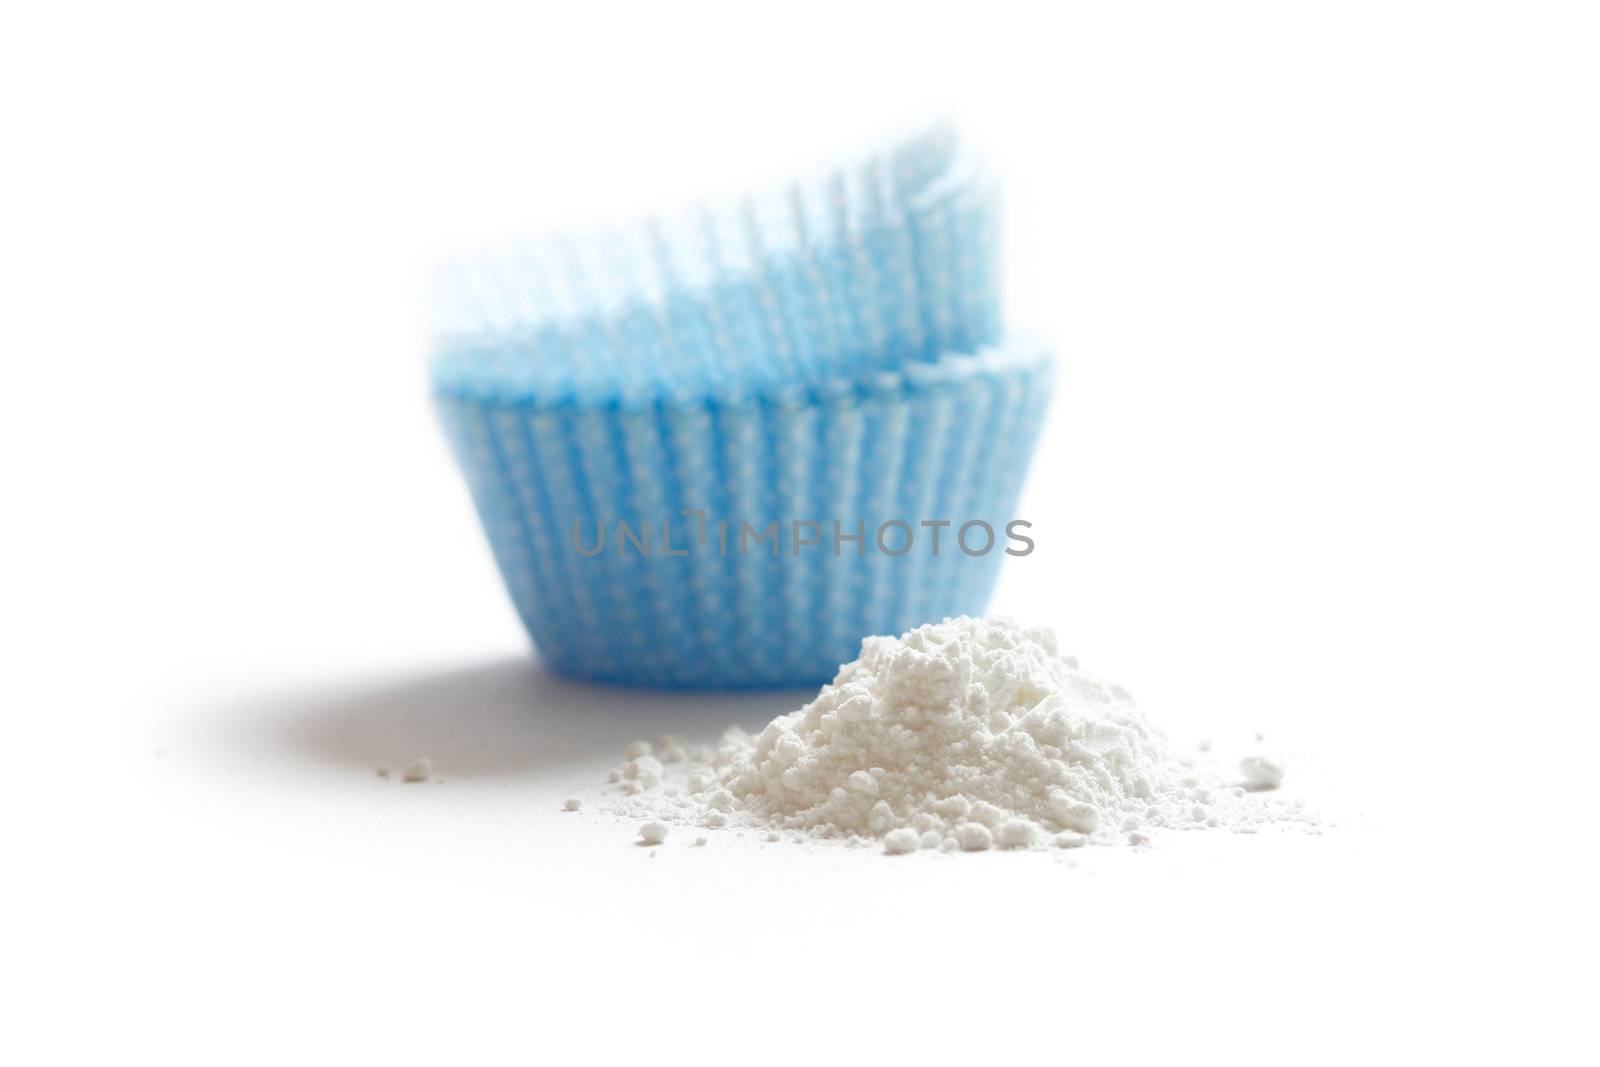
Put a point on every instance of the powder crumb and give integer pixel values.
(646, 770)
(700, 842)
(571, 804)
(1017, 833)
(418, 771)
(383, 770)
(1261, 773)
(903, 840)
(773, 835)
(1136, 838)
(1069, 839)
(975, 837)
(653, 833)
(636, 749)
(930, 839)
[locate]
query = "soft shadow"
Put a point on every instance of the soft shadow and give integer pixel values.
(502, 719)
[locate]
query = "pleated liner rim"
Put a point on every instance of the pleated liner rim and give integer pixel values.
(1016, 351)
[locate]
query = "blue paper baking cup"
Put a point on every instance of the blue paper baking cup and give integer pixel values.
(685, 495)
(868, 267)
(716, 449)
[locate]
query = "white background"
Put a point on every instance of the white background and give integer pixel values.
(1322, 463)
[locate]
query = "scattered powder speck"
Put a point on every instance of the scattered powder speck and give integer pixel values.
(383, 771)
(418, 771)
(571, 804)
(1261, 773)
(963, 735)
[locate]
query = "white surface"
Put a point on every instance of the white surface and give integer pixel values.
(1323, 464)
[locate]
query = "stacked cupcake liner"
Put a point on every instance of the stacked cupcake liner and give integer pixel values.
(830, 353)
(873, 265)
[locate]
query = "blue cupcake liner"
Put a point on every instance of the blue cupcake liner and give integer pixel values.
(887, 261)
(942, 438)
(827, 353)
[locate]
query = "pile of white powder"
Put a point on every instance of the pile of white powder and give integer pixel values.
(966, 734)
